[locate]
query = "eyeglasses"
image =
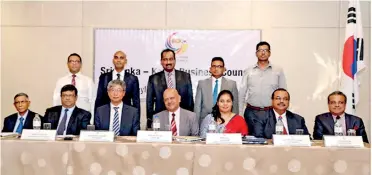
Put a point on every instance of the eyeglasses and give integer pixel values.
(280, 99)
(334, 103)
(217, 66)
(116, 90)
(73, 61)
(20, 102)
(67, 95)
(166, 59)
(263, 50)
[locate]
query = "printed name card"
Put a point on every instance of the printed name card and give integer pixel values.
(343, 141)
(35, 134)
(97, 136)
(291, 140)
(224, 139)
(154, 136)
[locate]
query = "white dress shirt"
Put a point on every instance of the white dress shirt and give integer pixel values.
(284, 120)
(69, 113)
(17, 122)
(214, 83)
(115, 76)
(112, 115)
(86, 91)
(176, 118)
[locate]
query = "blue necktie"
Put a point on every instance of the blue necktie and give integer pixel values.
(116, 126)
(62, 125)
(20, 125)
(215, 92)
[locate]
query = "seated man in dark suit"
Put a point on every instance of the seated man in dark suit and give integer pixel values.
(168, 78)
(67, 118)
(176, 119)
(280, 102)
(23, 118)
(324, 123)
(122, 119)
(132, 92)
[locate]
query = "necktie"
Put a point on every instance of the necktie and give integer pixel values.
(20, 125)
(170, 83)
(73, 82)
(174, 126)
(116, 126)
(118, 76)
(284, 130)
(62, 125)
(215, 92)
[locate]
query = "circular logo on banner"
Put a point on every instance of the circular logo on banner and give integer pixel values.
(176, 43)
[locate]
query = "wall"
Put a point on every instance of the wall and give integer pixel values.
(306, 39)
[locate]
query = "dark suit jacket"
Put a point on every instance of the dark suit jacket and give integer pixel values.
(10, 121)
(132, 92)
(324, 125)
(266, 128)
(129, 124)
(79, 119)
(157, 85)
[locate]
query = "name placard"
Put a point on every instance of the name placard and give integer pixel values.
(34, 134)
(154, 136)
(343, 141)
(224, 139)
(291, 140)
(97, 136)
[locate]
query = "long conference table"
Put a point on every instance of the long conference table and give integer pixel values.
(126, 157)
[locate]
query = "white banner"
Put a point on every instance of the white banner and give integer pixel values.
(194, 51)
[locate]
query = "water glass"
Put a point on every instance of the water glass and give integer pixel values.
(299, 131)
(47, 126)
(351, 132)
(91, 127)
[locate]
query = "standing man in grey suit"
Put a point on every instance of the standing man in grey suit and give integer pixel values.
(168, 78)
(208, 90)
(122, 119)
(176, 119)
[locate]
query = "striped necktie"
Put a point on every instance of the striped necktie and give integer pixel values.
(20, 126)
(116, 125)
(174, 126)
(170, 83)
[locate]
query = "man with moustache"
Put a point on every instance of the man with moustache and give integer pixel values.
(280, 101)
(168, 78)
(23, 118)
(258, 83)
(208, 90)
(176, 119)
(324, 123)
(132, 92)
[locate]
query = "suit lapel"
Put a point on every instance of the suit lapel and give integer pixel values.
(13, 121)
(163, 81)
(74, 116)
(126, 79)
(105, 120)
(29, 118)
(224, 84)
(164, 119)
(108, 78)
(55, 117)
(178, 79)
(125, 120)
(209, 96)
(331, 123)
(348, 122)
(291, 123)
(183, 123)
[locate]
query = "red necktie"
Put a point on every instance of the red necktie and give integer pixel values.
(173, 124)
(73, 82)
(284, 130)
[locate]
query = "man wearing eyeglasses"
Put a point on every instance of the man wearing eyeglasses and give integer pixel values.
(23, 118)
(208, 90)
(122, 119)
(291, 122)
(67, 119)
(84, 84)
(258, 83)
(168, 78)
(324, 123)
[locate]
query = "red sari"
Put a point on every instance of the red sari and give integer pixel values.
(236, 125)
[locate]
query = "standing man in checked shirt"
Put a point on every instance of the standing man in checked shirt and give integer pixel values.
(258, 83)
(84, 84)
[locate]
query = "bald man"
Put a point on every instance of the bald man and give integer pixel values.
(176, 119)
(132, 93)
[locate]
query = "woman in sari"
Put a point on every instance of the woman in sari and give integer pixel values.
(222, 119)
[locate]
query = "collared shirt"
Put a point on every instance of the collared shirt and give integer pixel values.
(257, 85)
(341, 121)
(176, 118)
(173, 77)
(112, 114)
(214, 83)
(69, 112)
(17, 122)
(284, 119)
(86, 91)
(115, 75)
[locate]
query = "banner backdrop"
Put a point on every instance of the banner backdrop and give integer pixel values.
(194, 51)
